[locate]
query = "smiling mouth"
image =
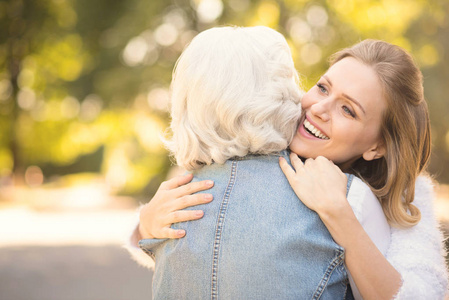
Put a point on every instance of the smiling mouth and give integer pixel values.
(314, 131)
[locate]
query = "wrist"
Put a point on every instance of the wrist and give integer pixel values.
(334, 212)
(341, 222)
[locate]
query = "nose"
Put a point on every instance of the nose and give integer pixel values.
(320, 109)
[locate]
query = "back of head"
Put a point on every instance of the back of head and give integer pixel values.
(405, 128)
(234, 92)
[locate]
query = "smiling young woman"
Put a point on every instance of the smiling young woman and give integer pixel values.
(368, 115)
(345, 107)
(404, 129)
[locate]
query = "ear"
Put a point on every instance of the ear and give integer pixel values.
(375, 152)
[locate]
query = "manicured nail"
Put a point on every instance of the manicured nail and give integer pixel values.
(209, 183)
(208, 197)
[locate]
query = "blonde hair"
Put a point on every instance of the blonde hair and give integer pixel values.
(234, 92)
(405, 129)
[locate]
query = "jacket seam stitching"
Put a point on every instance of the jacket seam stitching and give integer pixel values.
(147, 251)
(219, 230)
(327, 275)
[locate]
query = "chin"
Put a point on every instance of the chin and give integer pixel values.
(300, 152)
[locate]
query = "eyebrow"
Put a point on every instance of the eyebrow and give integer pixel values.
(346, 96)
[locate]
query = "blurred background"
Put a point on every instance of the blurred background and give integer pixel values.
(84, 101)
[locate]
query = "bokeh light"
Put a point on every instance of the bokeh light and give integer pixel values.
(34, 176)
(317, 16)
(166, 34)
(299, 30)
(135, 51)
(5, 89)
(70, 107)
(91, 107)
(26, 99)
(158, 98)
(209, 10)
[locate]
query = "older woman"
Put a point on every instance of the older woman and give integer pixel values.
(235, 106)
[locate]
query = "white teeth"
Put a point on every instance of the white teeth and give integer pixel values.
(314, 130)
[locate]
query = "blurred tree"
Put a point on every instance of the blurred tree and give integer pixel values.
(66, 92)
(80, 78)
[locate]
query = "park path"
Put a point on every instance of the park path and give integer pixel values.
(64, 255)
(71, 273)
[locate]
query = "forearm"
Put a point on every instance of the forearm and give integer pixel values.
(373, 275)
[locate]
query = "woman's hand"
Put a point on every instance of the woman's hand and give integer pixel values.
(321, 186)
(318, 183)
(165, 208)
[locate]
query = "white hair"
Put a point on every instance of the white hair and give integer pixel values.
(235, 91)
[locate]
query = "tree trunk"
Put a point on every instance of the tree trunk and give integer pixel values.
(16, 51)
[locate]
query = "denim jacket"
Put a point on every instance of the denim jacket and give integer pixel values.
(255, 241)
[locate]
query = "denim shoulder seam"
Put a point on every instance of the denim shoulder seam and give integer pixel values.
(147, 251)
(219, 230)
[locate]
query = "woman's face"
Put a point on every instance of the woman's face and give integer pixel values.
(341, 115)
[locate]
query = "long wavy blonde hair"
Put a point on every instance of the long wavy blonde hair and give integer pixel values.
(405, 129)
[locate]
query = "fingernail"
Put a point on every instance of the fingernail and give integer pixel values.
(209, 183)
(199, 213)
(208, 197)
(180, 233)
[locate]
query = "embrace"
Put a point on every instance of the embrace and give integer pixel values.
(292, 194)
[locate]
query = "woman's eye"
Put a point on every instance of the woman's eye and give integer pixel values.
(348, 111)
(322, 88)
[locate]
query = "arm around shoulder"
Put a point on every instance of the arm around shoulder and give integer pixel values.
(417, 253)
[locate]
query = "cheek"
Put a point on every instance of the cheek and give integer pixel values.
(371, 131)
(294, 143)
(306, 101)
(362, 139)
(350, 136)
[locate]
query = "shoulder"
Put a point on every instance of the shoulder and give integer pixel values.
(368, 211)
(356, 195)
(362, 200)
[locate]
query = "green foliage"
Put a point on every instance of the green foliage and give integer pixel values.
(78, 75)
